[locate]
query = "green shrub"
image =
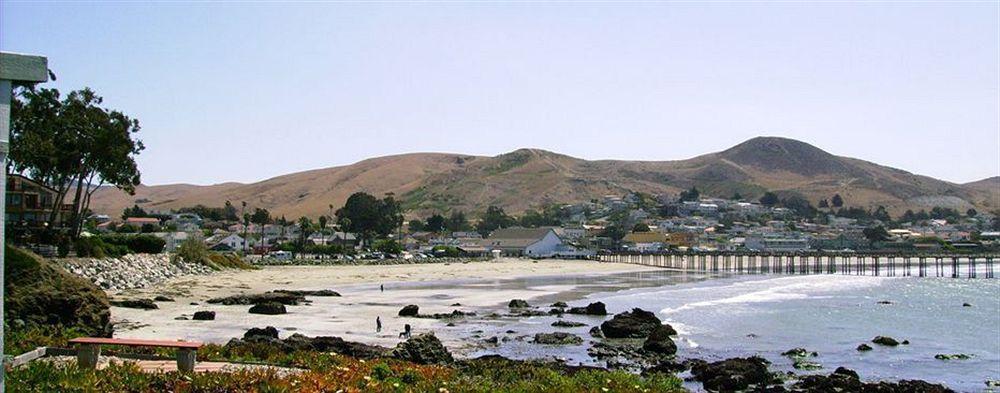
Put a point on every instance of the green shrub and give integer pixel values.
(137, 244)
(192, 250)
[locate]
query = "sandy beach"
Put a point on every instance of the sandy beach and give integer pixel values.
(434, 287)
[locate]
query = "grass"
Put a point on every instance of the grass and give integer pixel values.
(324, 372)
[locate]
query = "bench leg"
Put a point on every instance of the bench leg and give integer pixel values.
(86, 356)
(186, 358)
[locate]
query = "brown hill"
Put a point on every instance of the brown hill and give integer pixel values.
(530, 178)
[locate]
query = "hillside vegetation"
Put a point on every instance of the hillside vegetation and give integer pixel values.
(530, 178)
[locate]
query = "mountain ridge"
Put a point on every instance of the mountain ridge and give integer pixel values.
(528, 178)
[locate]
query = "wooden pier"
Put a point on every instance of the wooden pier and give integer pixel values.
(869, 264)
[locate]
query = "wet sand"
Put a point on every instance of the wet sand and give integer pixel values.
(477, 286)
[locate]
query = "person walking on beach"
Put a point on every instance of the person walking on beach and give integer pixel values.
(381, 287)
(378, 324)
(407, 330)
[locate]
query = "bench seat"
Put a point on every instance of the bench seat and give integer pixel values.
(89, 350)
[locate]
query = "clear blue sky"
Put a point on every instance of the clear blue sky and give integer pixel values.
(243, 92)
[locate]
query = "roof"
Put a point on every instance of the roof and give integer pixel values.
(144, 220)
(645, 237)
(515, 237)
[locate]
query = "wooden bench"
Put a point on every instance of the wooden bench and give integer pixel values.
(89, 349)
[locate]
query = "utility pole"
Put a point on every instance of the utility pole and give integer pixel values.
(13, 68)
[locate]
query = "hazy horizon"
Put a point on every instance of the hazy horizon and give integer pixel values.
(246, 92)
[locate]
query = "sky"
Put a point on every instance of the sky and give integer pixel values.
(247, 91)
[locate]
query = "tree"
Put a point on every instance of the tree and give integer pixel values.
(824, 204)
(769, 199)
(875, 234)
(370, 217)
(457, 221)
(134, 211)
(690, 195)
(416, 225)
(494, 218)
(837, 201)
(305, 229)
(881, 214)
(322, 223)
(436, 223)
(73, 144)
(261, 217)
(737, 196)
(640, 227)
(534, 218)
(229, 212)
(971, 212)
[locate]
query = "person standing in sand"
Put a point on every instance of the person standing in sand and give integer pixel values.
(378, 324)
(381, 287)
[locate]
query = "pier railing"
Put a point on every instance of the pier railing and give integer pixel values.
(873, 264)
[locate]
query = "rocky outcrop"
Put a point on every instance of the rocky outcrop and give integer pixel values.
(143, 304)
(596, 332)
(161, 298)
(885, 340)
(204, 316)
(409, 311)
(559, 305)
(285, 298)
(864, 347)
(518, 303)
(320, 292)
(568, 324)
(846, 380)
(131, 271)
(268, 308)
(268, 337)
(596, 308)
(39, 292)
(266, 332)
(637, 323)
(423, 349)
(558, 338)
(659, 341)
(734, 374)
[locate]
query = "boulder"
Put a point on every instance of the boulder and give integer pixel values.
(409, 311)
(285, 298)
(966, 305)
(143, 304)
(659, 341)
(842, 380)
(268, 308)
(885, 340)
(558, 338)
(595, 308)
(559, 305)
(518, 303)
(596, 332)
(798, 353)
(204, 316)
(422, 349)
(733, 374)
(637, 323)
(562, 323)
(864, 347)
(161, 298)
(954, 356)
(670, 366)
(269, 331)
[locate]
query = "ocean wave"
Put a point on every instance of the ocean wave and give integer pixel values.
(774, 290)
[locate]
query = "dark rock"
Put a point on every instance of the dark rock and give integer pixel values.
(596, 332)
(667, 367)
(204, 316)
(268, 308)
(557, 311)
(193, 303)
(518, 303)
(320, 292)
(453, 314)
(864, 347)
(409, 311)
(521, 312)
(659, 340)
(561, 323)
(802, 364)
(966, 305)
(842, 380)
(269, 331)
(637, 323)
(596, 308)
(885, 340)
(846, 372)
(161, 298)
(559, 305)
(144, 304)
(905, 342)
(456, 304)
(798, 353)
(558, 338)
(956, 356)
(450, 324)
(423, 349)
(492, 340)
(733, 374)
(40, 293)
(181, 318)
(285, 298)
(883, 302)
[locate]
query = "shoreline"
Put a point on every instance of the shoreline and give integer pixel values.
(479, 286)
